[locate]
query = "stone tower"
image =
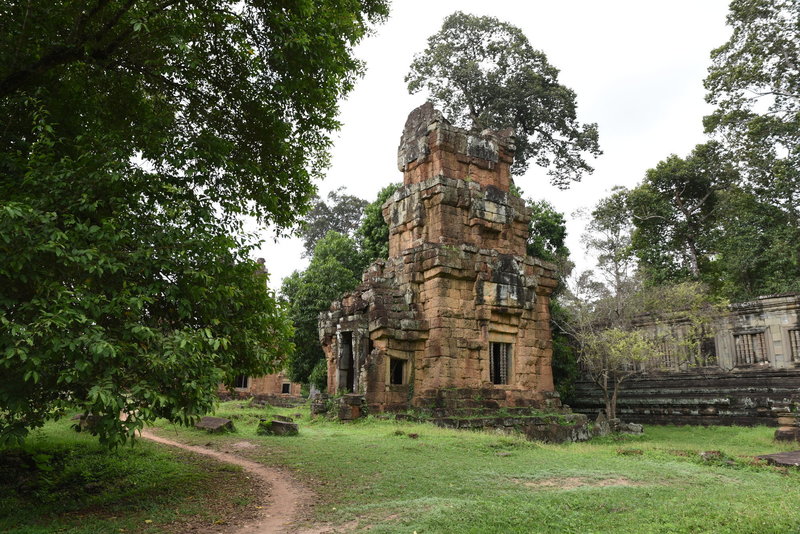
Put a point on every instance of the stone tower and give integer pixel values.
(458, 310)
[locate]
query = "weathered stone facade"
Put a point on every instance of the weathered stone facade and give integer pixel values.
(749, 372)
(763, 333)
(457, 306)
(263, 387)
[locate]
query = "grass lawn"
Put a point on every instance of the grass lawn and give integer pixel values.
(376, 472)
(386, 476)
(64, 482)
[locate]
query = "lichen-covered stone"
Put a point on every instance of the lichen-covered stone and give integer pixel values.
(277, 428)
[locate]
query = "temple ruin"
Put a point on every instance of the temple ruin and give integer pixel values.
(458, 311)
(747, 372)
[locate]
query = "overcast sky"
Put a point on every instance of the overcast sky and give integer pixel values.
(636, 66)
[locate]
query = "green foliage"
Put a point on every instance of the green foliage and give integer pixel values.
(756, 249)
(547, 232)
(696, 219)
(373, 234)
(565, 360)
(484, 73)
(138, 136)
(319, 375)
(676, 214)
(341, 213)
(335, 268)
(609, 236)
(754, 82)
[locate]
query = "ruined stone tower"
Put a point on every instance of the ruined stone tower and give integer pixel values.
(458, 310)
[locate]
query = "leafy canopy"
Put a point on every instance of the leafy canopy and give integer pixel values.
(484, 73)
(136, 136)
(754, 82)
(340, 213)
(676, 214)
(373, 234)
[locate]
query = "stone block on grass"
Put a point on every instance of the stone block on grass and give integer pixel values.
(215, 425)
(277, 428)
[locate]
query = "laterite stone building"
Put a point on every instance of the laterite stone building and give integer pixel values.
(458, 310)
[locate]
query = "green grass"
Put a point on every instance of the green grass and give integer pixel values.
(375, 473)
(64, 482)
(459, 481)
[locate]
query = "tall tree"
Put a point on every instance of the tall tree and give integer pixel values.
(483, 73)
(754, 82)
(135, 136)
(335, 268)
(676, 216)
(755, 247)
(341, 213)
(608, 235)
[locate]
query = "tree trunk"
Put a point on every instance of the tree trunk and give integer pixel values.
(694, 266)
(610, 408)
(612, 413)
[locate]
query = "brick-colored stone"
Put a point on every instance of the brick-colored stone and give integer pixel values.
(457, 277)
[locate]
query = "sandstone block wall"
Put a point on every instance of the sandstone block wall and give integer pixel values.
(456, 281)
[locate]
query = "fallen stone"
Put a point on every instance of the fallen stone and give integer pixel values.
(277, 428)
(782, 459)
(215, 425)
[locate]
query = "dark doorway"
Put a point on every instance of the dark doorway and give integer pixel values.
(347, 373)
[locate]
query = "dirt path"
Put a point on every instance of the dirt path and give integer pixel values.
(287, 495)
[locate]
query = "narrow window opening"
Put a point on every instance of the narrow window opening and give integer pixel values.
(668, 356)
(794, 344)
(750, 348)
(397, 371)
(286, 387)
(499, 362)
(240, 382)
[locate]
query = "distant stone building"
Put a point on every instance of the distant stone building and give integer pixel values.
(265, 387)
(458, 309)
(748, 370)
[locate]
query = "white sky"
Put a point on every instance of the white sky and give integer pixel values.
(636, 66)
